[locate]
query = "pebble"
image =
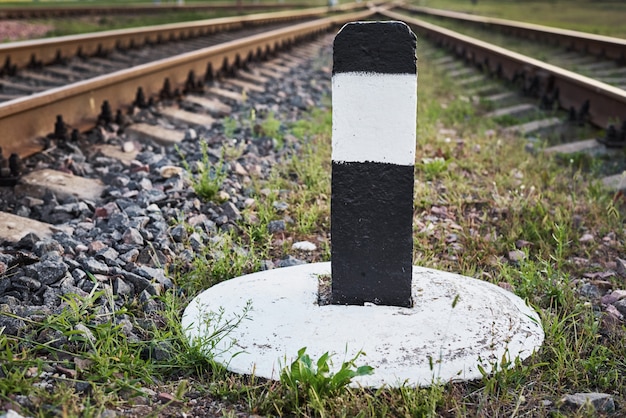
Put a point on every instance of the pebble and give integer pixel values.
(614, 296)
(276, 226)
(516, 256)
(590, 290)
(10, 414)
(601, 402)
(289, 261)
(620, 305)
(586, 238)
(304, 246)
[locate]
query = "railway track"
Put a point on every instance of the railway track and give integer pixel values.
(97, 79)
(99, 10)
(606, 103)
(55, 89)
(587, 43)
(80, 102)
(570, 112)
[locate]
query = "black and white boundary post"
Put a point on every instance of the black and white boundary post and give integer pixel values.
(373, 156)
(459, 328)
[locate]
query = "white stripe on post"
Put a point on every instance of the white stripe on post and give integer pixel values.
(368, 107)
(373, 156)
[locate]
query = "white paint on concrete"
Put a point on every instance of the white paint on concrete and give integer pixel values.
(374, 118)
(486, 323)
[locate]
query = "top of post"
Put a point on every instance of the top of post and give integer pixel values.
(375, 47)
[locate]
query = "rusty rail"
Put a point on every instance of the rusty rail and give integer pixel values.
(33, 12)
(23, 121)
(599, 45)
(607, 104)
(43, 51)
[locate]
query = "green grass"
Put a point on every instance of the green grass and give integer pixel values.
(599, 17)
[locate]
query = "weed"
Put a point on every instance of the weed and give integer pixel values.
(271, 127)
(433, 167)
(230, 126)
(214, 335)
(209, 177)
(305, 380)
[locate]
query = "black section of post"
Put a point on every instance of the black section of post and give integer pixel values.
(377, 47)
(372, 199)
(372, 242)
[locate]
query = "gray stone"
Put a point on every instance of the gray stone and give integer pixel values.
(50, 271)
(276, 226)
(140, 283)
(130, 256)
(93, 266)
(154, 273)
(109, 255)
(178, 233)
(11, 325)
(121, 288)
(133, 237)
(26, 283)
(289, 261)
(267, 265)
(51, 297)
(190, 135)
(620, 267)
(601, 402)
(517, 256)
(28, 241)
(86, 332)
(118, 221)
(79, 275)
(134, 210)
(614, 296)
(108, 413)
(160, 351)
(231, 211)
(145, 184)
(148, 302)
(196, 242)
(620, 305)
(45, 246)
(280, 206)
(590, 290)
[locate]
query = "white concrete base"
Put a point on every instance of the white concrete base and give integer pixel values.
(486, 323)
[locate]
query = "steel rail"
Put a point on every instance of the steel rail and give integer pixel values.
(607, 104)
(599, 45)
(25, 120)
(48, 50)
(10, 12)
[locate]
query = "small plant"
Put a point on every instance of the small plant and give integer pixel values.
(271, 127)
(230, 126)
(214, 337)
(210, 177)
(433, 167)
(315, 381)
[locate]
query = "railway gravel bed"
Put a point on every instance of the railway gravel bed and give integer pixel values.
(123, 241)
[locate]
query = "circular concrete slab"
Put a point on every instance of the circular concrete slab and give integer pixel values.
(433, 341)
